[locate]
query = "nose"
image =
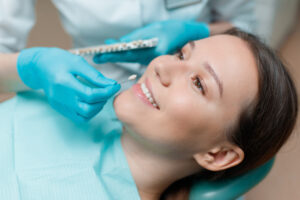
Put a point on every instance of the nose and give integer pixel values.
(167, 69)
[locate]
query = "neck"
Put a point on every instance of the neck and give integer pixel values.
(153, 172)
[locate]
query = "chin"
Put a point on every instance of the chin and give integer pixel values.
(124, 106)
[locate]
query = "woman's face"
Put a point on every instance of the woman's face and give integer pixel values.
(199, 93)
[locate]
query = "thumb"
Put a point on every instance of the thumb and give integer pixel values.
(111, 41)
(97, 57)
(90, 74)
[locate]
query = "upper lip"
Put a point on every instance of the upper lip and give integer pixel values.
(148, 85)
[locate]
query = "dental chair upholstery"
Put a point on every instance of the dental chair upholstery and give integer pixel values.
(230, 189)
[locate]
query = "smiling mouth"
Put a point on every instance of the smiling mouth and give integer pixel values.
(149, 96)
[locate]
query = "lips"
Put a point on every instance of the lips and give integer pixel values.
(144, 92)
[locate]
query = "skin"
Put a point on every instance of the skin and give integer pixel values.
(11, 82)
(160, 151)
(187, 133)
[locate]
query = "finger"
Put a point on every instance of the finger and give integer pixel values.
(92, 94)
(126, 56)
(81, 119)
(100, 94)
(67, 111)
(111, 41)
(136, 55)
(107, 92)
(84, 70)
(108, 41)
(80, 89)
(89, 110)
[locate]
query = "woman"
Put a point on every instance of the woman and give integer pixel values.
(220, 107)
(94, 22)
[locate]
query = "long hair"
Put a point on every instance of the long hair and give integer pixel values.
(262, 128)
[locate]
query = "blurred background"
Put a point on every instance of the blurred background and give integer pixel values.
(279, 26)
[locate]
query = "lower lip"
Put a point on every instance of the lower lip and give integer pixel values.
(137, 90)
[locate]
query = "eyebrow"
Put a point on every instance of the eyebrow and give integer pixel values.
(211, 71)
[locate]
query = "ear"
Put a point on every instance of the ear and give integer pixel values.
(220, 158)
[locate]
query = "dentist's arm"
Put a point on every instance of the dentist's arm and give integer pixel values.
(57, 73)
(9, 78)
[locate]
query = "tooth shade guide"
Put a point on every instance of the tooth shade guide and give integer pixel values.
(138, 44)
(130, 78)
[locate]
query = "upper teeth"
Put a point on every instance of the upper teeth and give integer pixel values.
(148, 94)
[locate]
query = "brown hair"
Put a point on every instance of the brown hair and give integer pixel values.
(263, 128)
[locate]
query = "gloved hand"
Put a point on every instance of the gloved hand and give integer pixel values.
(57, 72)
(172, 35)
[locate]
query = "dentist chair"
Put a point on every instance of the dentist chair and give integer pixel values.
(230, 189)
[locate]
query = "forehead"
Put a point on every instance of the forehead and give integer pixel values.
(233, 62)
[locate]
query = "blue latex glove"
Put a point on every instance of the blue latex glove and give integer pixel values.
(172, 35)
(72, 86)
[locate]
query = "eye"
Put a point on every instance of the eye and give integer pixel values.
(197, 82)
(179, 55)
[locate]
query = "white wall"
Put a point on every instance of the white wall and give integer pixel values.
(276, 19)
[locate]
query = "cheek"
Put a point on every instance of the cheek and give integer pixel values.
(193, 115)
(133, 112)
(181, 111)
(123, 107)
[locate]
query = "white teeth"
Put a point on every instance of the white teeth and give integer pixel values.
(151, 100)
(144, 88)
(148, 94)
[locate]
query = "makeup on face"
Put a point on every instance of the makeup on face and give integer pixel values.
(208, 67)
(144, 92)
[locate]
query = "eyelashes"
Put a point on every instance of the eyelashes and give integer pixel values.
(179, 54)
(197, 81)
(198, 84)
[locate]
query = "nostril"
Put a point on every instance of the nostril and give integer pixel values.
(161, 74)
(157, 74)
